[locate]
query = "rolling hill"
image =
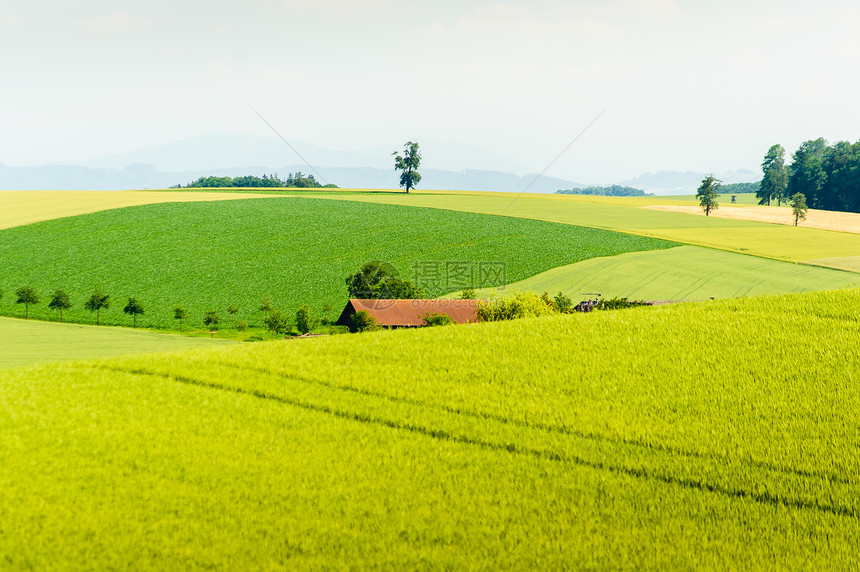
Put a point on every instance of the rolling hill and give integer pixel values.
(692, 436)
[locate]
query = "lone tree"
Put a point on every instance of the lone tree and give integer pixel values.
(798, 207)
(97, 303)
(707, 194)
(774, 181)
(408, 163)
(180, 313)
(134, 308)
(26, 295)
(59, 301)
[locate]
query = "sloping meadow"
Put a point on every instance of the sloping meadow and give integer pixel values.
(720, 434)
(208, 256)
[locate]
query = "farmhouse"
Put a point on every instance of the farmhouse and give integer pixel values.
(410, 313)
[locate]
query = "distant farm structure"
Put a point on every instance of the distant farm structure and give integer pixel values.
(410, 313)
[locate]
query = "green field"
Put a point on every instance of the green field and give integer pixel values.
(28, 342)
(209, 255)
(715, 435)
(622, 214)
(681, 273)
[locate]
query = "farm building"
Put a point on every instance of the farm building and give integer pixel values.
(410, 313)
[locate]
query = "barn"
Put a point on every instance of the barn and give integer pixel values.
(410, 313)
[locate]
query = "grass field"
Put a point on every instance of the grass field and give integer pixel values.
(622, 214)
(682, 273)
(208, 255)
(29, 342)
(714, 435)
(18, 208)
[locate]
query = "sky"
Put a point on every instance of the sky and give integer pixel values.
(673, 84)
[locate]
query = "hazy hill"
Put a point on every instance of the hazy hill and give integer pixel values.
(227, 150)
(677, 182)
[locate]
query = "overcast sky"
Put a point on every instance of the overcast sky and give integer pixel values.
(686, 85)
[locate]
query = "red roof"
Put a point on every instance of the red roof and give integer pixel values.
(411, 312)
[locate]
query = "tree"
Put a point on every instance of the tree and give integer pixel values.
(277, 323)
(707, 194)
(134, 309)
(774, 181)
(211, 320)
(808, 176)
(378, 280)
(408, 163)
(266, 305)
(305, 320)
(232, 309)
(26, 295)
(798, 207)
(59, 301)
(97, 303)
(180, 313)
(563, 303)
(841, 190)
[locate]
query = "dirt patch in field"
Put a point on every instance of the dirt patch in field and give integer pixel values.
(18, 208)
(824, 220)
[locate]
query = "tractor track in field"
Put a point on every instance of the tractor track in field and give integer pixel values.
(764, 497)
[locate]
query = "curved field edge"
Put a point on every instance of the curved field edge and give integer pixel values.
(19, 208)
(30, 342)
(680, 273)
(774, 241)
(209, 255)
(624, 446)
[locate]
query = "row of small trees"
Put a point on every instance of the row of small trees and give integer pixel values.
(275, 321)
(97, 302)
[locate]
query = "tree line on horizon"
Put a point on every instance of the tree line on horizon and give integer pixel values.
(297, 181)
(827, 175)
(610, 191)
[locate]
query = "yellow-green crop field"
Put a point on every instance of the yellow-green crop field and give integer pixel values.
(718, 435)
(19, 208)
(28, 342)
(624, 215)
(680, 273)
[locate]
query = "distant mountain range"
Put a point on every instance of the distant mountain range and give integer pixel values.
(445, 166)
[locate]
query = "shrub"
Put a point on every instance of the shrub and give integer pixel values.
(438, 319)
(362, 321)
(468, 294)
(305, 320)
(519, 305)
(618, 303)
(242, 325)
